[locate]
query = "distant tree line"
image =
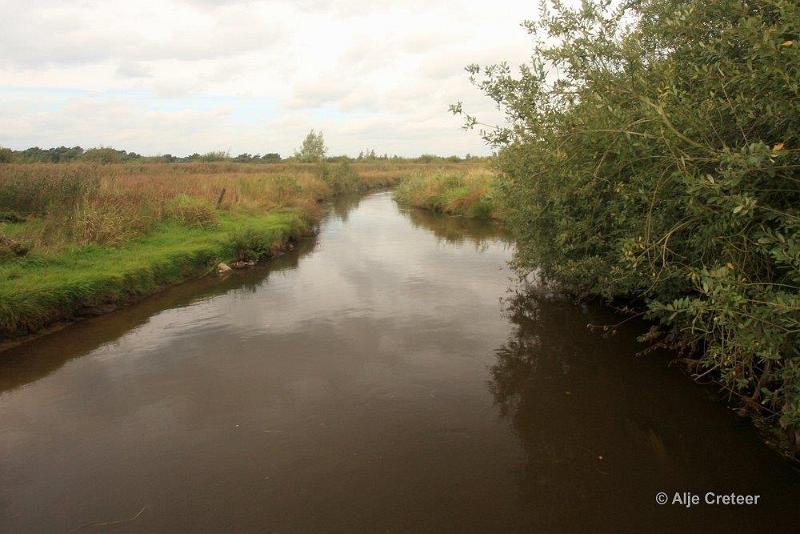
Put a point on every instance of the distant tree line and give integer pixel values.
(370, 155)
(65, 154)
(313, 150)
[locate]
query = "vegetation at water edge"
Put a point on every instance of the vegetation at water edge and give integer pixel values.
(76, 238)
(462, 192)
(652, 155)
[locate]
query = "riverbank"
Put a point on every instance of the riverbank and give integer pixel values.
(475, 195)
(79, 240)
(40, 290)
(461, 192)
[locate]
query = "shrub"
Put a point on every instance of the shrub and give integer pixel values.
(218, 155)
(340, 177)
(104, 155)
(250, 244)
(652, 153)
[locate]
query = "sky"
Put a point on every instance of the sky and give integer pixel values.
(183, 76)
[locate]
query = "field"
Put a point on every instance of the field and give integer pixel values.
(78, 238)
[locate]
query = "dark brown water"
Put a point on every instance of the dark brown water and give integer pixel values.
(372, 381)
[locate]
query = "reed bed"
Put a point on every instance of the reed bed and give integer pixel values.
(467, 192)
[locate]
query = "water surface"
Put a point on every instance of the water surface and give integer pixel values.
(380, 378)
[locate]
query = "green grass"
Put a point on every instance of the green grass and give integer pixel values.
(40, 289)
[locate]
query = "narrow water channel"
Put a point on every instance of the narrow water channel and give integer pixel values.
(380, 378)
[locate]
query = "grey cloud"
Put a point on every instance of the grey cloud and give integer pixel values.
(368, 73)
(53, 36)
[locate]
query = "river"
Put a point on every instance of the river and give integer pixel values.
(382, 377)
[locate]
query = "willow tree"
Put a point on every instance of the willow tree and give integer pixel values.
(652, 153)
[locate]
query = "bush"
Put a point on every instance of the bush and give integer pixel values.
(340, 177)
(250, 244)
(661, 165)
(104, 155)
(218, 155)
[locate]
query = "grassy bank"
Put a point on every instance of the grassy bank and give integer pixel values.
(77, 239)
(41, 289)
(462, 192)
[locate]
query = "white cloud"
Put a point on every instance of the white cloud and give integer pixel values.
(133, 69)
(250, 76)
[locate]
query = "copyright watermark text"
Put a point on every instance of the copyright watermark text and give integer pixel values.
(688, 499)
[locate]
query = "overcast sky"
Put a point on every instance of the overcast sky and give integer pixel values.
(179, 76)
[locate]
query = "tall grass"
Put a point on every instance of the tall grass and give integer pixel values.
(103, 235)
(110, 204)
(468, 193)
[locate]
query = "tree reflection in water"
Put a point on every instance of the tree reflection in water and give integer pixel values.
(342, 205)
(603, 430)
(563, 472)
